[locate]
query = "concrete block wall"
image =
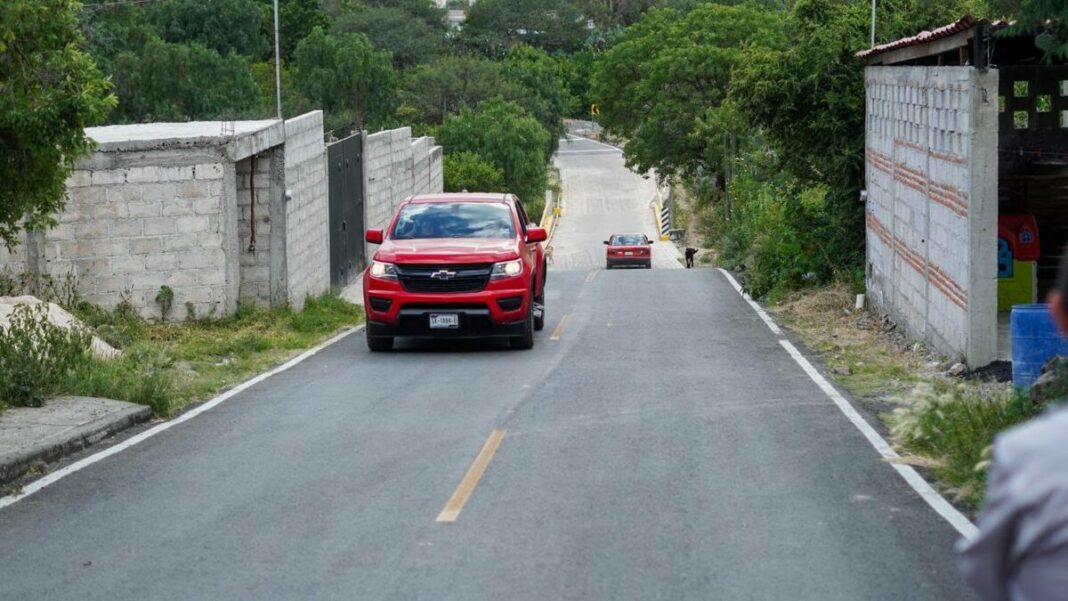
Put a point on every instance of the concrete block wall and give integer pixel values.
(396, 167)
(308, 209)
(254, 260)
(136, 222)
(13, 262)
(931, 173)
(421, 165)
(437, 171)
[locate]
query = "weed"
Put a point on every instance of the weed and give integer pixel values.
(142, 375)
(35, 355)
(955, 424)
(324, 314)
(165, 300)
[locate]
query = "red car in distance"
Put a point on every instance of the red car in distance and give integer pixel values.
(456, 266)
(630, 250)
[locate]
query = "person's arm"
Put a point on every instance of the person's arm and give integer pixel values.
(984, 561)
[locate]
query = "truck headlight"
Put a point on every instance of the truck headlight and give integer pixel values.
(507, 269)
(383, 271)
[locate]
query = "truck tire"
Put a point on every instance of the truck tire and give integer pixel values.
(525, 341)
(539, 320)
(379, 344)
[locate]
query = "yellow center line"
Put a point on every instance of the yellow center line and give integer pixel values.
(559, 331)
(471, 478)
(592, 276)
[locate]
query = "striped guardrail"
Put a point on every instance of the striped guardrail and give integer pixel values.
(662, 215)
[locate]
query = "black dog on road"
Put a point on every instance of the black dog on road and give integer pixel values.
(690, 254)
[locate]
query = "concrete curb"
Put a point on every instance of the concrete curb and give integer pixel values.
(66, 440)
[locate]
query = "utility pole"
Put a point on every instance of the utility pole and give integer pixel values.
(872, 23)
(278, 64)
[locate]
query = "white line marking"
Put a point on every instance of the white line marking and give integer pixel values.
(760, 310)
(81, 464)
(918, 484)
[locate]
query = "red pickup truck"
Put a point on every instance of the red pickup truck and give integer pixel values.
(456, 266)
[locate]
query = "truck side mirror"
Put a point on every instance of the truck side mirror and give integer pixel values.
(374, 236)
(537, 234)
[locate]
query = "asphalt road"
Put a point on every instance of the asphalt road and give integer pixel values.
(658, 443)
(602, 197)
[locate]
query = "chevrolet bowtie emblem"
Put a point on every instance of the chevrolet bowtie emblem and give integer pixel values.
(443, 274)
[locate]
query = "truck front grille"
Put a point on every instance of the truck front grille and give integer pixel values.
(444, 278)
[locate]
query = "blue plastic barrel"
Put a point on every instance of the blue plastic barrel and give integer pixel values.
(1035, 340)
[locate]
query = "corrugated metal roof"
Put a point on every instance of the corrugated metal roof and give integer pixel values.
(963, 24)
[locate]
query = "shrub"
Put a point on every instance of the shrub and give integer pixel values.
(468, 171)
(35, 355)
(783, 235)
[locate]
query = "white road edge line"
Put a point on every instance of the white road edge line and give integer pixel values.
(752, 303)
(81, 464)
(921, 486)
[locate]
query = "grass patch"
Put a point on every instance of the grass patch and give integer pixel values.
(865, 353)
(953, 425)
(936, 422)
(167, 366)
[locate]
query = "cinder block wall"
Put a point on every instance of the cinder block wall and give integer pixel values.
(254, 262)
(421, 165)
(131, 226)
(308, 209)
(437, 171)
(395, 167)
(931, 172)
(13, 262)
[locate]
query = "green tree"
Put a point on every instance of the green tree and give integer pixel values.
(495, 26)
(656, 85)
(181, 82)
(808, 96)
(111, 29)
(1046, 19)
(507, 136)
(576, 70)
(409, 39)
(541, 89)
(296, 19)
(344, 73)
(466, 171)
(50, 91)
(451, 84)
(225, 26)
(616, 13)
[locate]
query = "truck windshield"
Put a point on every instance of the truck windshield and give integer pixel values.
(454, 220)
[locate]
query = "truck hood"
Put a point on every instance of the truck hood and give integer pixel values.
(448, 250)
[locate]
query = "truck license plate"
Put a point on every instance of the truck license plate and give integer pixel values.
(444, 320)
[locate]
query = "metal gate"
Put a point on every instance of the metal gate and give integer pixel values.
(345, 160)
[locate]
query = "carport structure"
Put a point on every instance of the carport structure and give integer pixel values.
(967, 180)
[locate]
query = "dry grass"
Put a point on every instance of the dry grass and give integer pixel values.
(865, 352)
